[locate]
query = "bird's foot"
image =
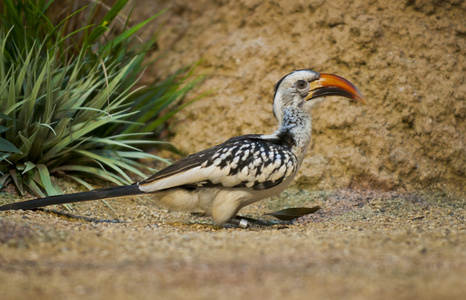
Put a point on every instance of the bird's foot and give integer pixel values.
(245, 222)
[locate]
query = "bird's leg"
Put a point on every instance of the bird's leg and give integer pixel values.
(237, 223)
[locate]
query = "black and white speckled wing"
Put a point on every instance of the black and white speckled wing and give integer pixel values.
(252, 161)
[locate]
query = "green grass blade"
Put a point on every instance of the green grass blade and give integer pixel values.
(32, 185)
(80, 181)
(96, 33)
(127, 34)
(105, 160)
(4, 179)
(142, 156)
(10, 7)
(18, 181)
(45, 180)
(92, 171)
(6, 146)
(27, 109)
(28, 166)
(114, 11)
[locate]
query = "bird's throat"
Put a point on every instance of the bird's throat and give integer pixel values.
(296, 126)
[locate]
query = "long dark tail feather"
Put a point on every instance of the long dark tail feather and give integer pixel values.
(97, 194)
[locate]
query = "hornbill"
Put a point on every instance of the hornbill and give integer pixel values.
(244, 169)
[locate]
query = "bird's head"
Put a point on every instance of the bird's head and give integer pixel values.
(306, 88)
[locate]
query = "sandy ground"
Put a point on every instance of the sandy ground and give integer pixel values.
(360, 245)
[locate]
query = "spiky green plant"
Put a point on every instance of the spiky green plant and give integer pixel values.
(68, 105)
(50, 116)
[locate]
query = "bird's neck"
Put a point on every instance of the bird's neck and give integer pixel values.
(296, 126)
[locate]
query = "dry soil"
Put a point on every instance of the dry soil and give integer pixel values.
(360, 245)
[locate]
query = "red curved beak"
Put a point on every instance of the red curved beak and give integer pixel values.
(333, 85)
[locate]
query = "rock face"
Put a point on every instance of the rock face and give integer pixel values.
(406, 57)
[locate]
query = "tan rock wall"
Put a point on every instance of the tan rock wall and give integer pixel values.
(407, 58)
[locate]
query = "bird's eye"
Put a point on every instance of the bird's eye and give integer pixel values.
(302, 85)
